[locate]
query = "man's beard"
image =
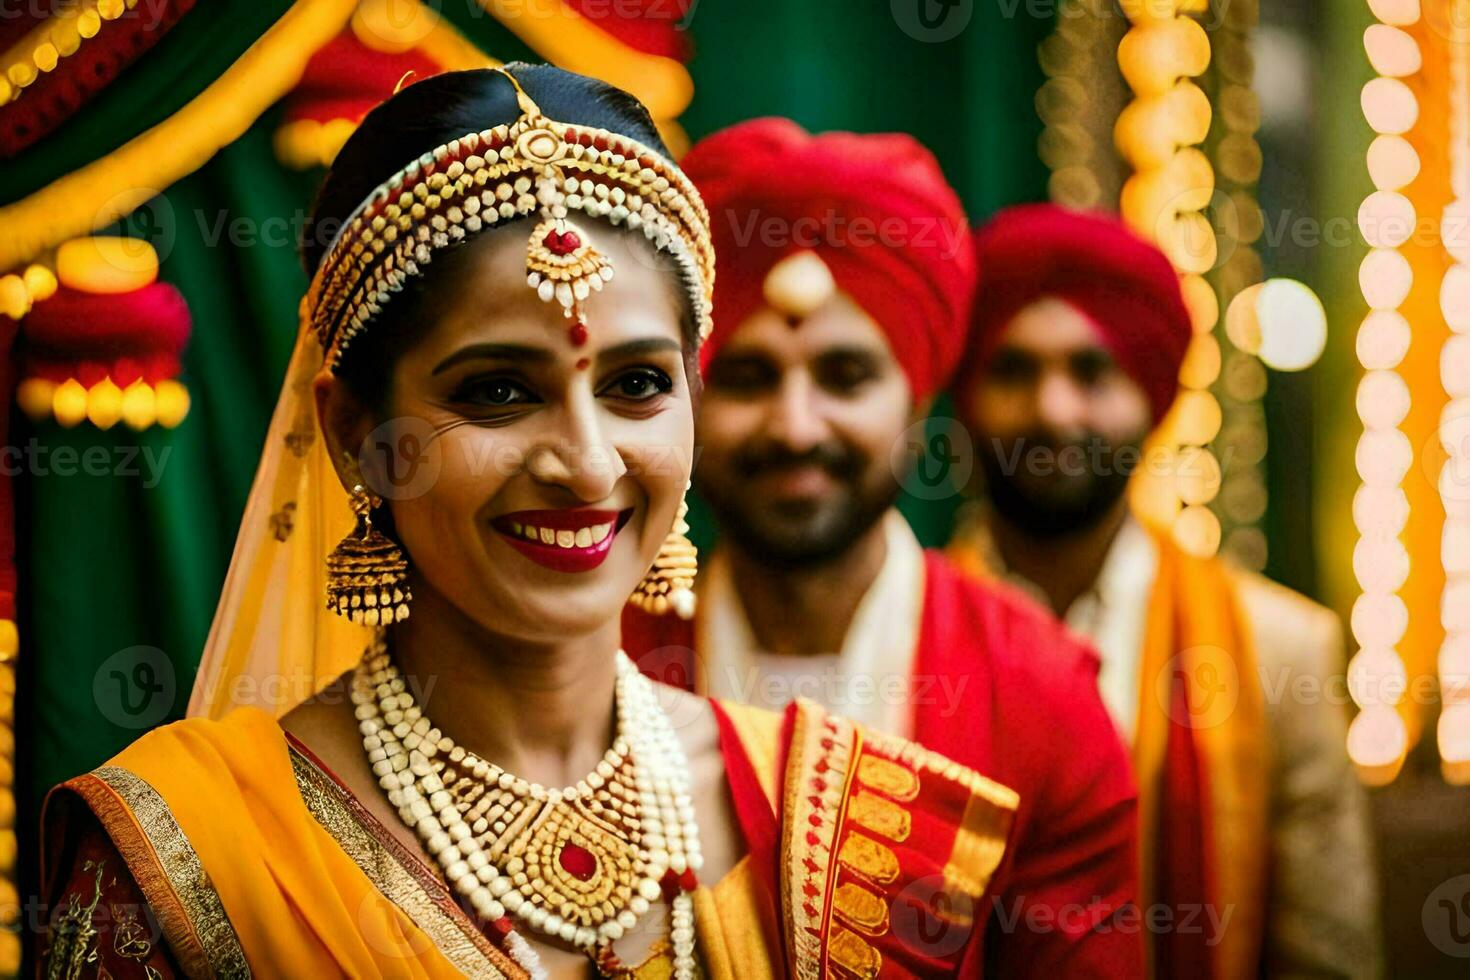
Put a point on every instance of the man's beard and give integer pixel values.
(1057, 504)
(800, 534)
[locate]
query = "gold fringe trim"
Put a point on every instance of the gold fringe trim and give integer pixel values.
(58, 36)
(107, 189)
(71, 403)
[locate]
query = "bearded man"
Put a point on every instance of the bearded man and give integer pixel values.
(1249, 807)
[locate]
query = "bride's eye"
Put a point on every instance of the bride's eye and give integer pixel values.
(639, 384)
(492, 392)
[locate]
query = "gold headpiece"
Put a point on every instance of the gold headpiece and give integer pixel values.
(480, 179)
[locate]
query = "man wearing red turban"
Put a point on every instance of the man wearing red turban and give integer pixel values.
(843, 282)
(1253, 827)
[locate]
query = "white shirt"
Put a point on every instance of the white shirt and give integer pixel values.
(867, 680)
(1112, 614)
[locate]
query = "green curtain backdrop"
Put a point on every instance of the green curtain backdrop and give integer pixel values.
(124, 537)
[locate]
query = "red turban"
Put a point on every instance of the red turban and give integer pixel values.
(1091, 260)
(875, 208)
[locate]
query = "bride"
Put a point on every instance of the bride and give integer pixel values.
(415, 747)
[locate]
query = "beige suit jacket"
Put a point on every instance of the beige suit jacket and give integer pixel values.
(1323, 918)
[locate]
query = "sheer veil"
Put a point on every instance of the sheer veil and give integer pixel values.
(274, 643)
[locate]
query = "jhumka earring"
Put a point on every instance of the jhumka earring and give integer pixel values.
(367, 574)
(669, 584)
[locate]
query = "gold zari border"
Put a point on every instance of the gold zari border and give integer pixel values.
(212, 936)
(426, 903)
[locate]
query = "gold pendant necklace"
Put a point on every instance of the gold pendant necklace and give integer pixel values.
(582, 864)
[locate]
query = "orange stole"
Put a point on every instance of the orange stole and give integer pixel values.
(886, 849)
(1200, 690)
(1201, 711)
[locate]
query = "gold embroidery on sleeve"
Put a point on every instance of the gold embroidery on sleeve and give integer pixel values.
(73, 938)
(131, 940)
(869, 858)
(882, 817)
(861, 909)
(848, 951)
(888, 778)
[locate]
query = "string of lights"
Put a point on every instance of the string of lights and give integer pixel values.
(1159, 134)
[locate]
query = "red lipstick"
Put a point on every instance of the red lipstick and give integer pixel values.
(566, 540)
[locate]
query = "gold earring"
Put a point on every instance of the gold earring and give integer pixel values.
(367, 574)
(669, 584)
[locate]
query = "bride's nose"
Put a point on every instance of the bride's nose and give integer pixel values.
(580, 457)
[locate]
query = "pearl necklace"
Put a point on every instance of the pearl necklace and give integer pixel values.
(581, 864)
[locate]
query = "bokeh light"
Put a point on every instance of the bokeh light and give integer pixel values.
(1293, 324)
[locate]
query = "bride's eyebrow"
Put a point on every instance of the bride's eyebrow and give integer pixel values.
(521, 353)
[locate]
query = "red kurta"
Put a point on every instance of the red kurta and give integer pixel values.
(1026, 713)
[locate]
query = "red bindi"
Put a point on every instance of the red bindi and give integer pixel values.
(577, 334)
(583, 364)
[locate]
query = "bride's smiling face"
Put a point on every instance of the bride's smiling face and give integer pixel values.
(531, 478)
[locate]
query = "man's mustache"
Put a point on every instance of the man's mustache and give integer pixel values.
(834, 457)
(1071, 442)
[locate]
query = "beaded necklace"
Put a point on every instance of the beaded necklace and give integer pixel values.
(581, 864)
